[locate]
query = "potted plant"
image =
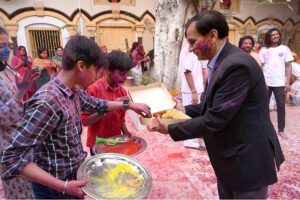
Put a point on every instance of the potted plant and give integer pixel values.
(130, 79)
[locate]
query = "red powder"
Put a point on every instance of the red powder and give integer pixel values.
(175, 155)
(127, 148)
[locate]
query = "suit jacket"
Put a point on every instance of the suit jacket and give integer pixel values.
(234, 121)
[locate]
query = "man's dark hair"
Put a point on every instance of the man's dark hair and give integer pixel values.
(40, 50)
(245, 38)
(81, 48)
(268, 41)
(208, 20)
(3, 31)
(119, 60)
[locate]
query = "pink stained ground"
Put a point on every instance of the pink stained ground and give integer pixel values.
(181, 173)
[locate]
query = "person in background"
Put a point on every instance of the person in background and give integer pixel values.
(233, 116)
(133, 47)
(258, 46)
(44, 66)
(53, 115)
(276, 63)
(57, 58)
(104, 49)
(23, 63)
(12, 90)
(294, 94)
(109, 88)
(138, 60)
(246, 43)
(102, 70)
(194, 74)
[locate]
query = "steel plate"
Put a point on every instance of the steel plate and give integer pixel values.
(98, 148)
(114, 176)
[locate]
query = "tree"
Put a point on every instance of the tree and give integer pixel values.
(170, 18)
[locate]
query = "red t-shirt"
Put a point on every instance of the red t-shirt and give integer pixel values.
(110, 124)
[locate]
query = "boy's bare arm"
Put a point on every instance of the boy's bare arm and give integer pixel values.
(124, 129)
(94, 118)
(35, 173)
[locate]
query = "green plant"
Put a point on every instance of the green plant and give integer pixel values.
(67, 26)
(130, 73)
(145, 79)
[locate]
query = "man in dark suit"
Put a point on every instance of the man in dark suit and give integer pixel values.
(233, 116)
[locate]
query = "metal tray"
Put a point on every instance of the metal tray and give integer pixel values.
(98, 148)
(114, 176)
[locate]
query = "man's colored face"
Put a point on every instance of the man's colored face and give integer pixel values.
(247, 45)
(275, 37)
(4, 47)
(119, 76)
(200, 45)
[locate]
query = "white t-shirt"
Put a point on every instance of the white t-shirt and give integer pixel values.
(274, 59)
(189, 61)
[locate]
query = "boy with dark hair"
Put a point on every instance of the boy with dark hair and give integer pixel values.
(109, 87)
(51, 125)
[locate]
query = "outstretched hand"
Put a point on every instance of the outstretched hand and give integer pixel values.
(178, 105)
(74, 188)
(159, 126)
(141, 109)
(27, 80)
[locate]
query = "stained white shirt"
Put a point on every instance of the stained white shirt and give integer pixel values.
(274, 59)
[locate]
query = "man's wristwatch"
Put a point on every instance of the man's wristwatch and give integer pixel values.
(126, 104)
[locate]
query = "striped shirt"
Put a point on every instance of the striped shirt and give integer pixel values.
(51, 127)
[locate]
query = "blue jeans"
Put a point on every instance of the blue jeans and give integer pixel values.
(44, 192)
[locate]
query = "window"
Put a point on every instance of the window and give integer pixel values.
(225, 4)
(48, 38)
(228, 5)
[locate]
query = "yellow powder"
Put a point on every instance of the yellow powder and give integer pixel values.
(119, 182)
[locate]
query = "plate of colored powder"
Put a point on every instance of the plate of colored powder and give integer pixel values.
(129, 146)
(114, 176)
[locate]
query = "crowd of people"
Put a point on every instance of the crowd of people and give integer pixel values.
(225, 90)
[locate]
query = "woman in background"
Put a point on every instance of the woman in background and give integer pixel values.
(44, 66)
(12, 90)
(57, 59)
(22, 63)
(137, 55)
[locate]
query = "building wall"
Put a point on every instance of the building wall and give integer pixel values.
(94, 17)
(68, 6)
(246, 17)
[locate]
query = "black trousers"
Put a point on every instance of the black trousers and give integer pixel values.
(261, 193)
(279, 97)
